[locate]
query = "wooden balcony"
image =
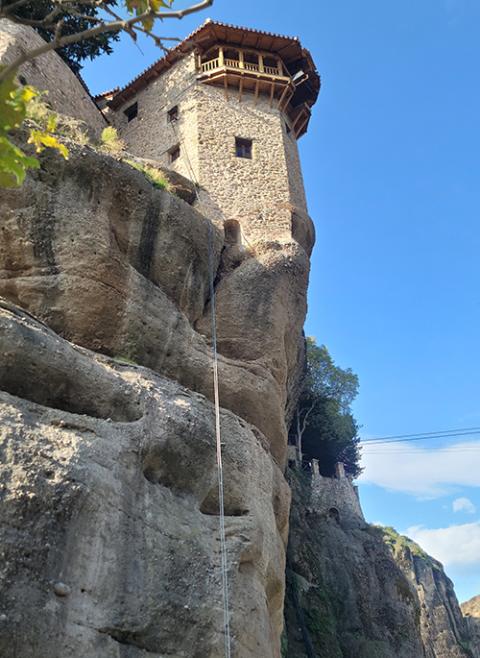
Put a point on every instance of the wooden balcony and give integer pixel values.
(246, 71)
(258, 73)
(244, 61)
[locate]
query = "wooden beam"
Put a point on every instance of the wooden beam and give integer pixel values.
(288, 99)
(284, 93)
(240, 89)
(299, 116)
(272, 92)
(302, 126)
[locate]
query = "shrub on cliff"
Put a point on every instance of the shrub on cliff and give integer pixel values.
(323, 426)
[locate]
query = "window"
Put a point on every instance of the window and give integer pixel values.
(243, 148)
(174, 153)
(131, 112)
(172, 114)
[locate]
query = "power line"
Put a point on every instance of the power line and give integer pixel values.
(421, 434)
(428, 436)
(412, 452)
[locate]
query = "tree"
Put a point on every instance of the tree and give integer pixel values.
(323, 427)
(76, 28)
(74, 53)
(58, 18)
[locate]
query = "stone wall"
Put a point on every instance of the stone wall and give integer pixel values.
(261, 192)
(150, 134)
(255, 191)
(66, 94)
(336, 497)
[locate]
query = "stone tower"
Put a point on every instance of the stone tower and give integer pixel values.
(225, 108)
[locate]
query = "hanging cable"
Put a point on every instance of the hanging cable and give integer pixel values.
(216, 398)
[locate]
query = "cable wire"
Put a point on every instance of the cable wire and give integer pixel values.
(216, 397)
(437, 434)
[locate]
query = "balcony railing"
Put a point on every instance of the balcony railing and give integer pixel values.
(232, 63)
(242, 65)
(211, 65)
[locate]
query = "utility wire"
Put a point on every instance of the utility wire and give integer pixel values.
(423, 434)
(369, 442)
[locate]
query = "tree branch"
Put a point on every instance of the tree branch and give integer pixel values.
(114, 26)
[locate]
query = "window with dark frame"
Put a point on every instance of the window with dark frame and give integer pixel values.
(131, 112)
(243, 148)
(174, 153)
(172, 114)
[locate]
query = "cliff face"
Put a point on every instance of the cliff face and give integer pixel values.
(346, 596)
(109, 507)
(356, 590)
(48, 72)
(471, 613)
(444, 631)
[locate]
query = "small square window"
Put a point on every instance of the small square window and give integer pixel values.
(243, 147)
(131, 112)
(172, 114)
(174, 153)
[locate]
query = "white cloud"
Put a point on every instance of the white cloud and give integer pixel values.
(422, 472)
(463, 505)
(457, 544)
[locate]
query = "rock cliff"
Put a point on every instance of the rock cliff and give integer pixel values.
(346, 596)
(109, 515)
(108, 483)
(443, 629)
(360, 591)
(471, 613)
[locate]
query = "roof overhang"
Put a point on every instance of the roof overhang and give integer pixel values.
(212, 32)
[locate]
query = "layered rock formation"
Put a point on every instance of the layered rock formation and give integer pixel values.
(115, 265)
(109, 526)
(109, 493)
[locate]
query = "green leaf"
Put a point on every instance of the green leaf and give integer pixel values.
(43, 140)
(13, 164)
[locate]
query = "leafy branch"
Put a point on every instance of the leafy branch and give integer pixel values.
(64, 23)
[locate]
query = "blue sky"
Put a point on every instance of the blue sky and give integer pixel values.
(391, 167)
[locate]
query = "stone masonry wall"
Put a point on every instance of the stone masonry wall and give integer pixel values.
(150, 135)
(294, 169)
(260, 192)
(336, 494)
(255, 191)
(66, 94)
